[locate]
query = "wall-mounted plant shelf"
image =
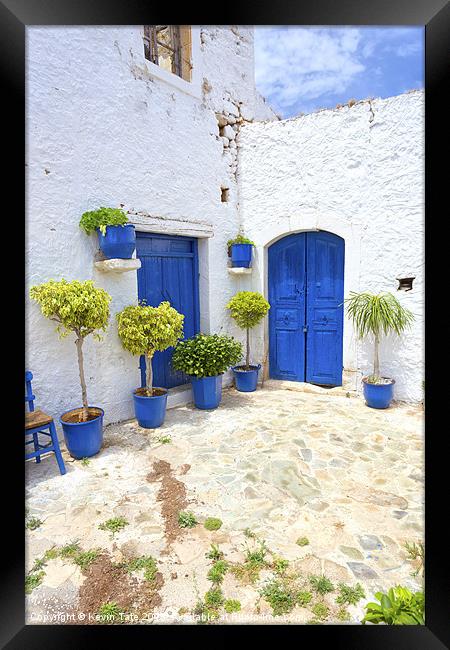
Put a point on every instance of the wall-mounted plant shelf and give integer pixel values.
(118, 265)
(239, 270)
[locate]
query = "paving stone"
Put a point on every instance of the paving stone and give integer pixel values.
(370, 542)
(362, 571)
(352, 552)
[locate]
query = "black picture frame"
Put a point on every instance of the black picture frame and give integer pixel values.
(15, 15)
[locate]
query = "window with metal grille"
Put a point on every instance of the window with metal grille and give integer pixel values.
(169, 46)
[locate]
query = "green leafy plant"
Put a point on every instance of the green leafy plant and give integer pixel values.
(33, 580)
(206, 355)
(302, 541)
(214, 597)
(85, 558)
(145, 563)
(109, 611)
(77, 307)
(239, 239)
(85, 462)
(212, 523)
(165, 440)
(101, 218)
(320, 611)
(69, 550)
(321, 584)
(304, 598)
(257, 555)
(350, 595)
(214, 553)
(279, 597)
(342, 614)
(145, 330)
(398, 607)
(231, 605)
(416, 553)
(279, 565)
(376, 315)
(33, 523)
(114, 525)
(217, 572)
(248, 308)
(187, 520)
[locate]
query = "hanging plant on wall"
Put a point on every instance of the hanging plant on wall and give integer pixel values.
(240, 250)
(375, 316)
(116, 235)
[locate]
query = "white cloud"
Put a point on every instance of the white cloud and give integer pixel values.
(299, 62)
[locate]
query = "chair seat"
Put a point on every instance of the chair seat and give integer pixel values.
(37, 419)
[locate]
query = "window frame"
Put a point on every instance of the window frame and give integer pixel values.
(192, 87)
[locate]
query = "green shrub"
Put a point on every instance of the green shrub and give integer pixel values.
(187, 520)
(350, 595)
(302, 541)
(279, 597)
(303, 598)
(212, 523)
(144, 330)
(206, 355)
(280, 565)
(114, 525)
(231, 606)
(248, 308)
(321, 584)
(218, 571)
(239, 239)
(101, 218)
(85, 558)
(77, 307)
(320, 611)
(214, 597)
(398, 607)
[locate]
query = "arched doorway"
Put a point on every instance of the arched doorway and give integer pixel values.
(306, 293)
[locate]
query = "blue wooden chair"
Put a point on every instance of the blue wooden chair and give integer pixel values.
(37, 422)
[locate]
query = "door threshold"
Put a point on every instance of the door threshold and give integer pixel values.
(304, 387)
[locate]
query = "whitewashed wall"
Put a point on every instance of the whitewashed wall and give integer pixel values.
(103, 130)
(358, 172)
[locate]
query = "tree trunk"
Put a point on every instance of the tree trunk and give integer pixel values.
(79, 344)
(247, 366)
(376, 360)
(148, 362)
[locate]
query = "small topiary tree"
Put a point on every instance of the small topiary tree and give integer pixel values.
(101, 218)
(144, 330)
(248, 308)
(78, 307)
(376, 315)
(206, 355)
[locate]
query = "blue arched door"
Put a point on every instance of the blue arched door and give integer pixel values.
(306, 292)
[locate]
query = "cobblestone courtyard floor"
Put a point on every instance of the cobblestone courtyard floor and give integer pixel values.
(283, 464)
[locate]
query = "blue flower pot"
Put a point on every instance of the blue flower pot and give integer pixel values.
(118, 242)
(150, 411)
(207, 392)
(246, 380)
(241, 255)
(378, 396)
(83, 439)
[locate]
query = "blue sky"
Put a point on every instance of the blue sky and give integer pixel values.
(302, 69)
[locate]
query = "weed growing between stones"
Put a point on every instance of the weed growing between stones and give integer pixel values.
(33, 523)
(214, 553)
(212, 523)
(350, 595)
(114, 525)
(187, 520)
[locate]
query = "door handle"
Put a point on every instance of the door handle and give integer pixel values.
(305, 328)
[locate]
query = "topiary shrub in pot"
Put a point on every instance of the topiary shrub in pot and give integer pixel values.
(205, 357)
(145, 330)
(82, 308)
(116, 237)
(375, 315)
(247, 308)
(240, 250)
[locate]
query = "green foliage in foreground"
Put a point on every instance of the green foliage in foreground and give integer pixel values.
(187, 520)
(109, 611)
(101, 218)
(206, 355)
(398, 607)
(212, 523)
(350, 595)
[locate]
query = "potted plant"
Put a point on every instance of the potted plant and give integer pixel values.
(240, 250)
(376, 315)
(144, 330)
(247, 308)
(116, 237)
(82, 308)
(204, 358)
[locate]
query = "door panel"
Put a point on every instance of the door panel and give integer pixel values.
(287, 265)
(324, 310)
(306, 292)
(169, 271)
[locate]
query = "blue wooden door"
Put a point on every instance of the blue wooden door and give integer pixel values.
(306, 292)
(169, 271)
(287, 275)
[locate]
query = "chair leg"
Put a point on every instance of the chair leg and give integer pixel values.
(59, 458)
(36, 445)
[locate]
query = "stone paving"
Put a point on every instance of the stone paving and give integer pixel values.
(283, 463)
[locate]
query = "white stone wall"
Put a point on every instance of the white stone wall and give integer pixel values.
(103, 129)
(358, 172)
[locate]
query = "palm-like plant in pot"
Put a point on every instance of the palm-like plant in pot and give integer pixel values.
(205, 357)
(377, 315)
(116, 236)
(145, 330)
(82, 308)
(248, 308)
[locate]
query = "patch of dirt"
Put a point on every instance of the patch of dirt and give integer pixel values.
(76, 415)
(107, 582)
(172, 495)
(142, 392)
